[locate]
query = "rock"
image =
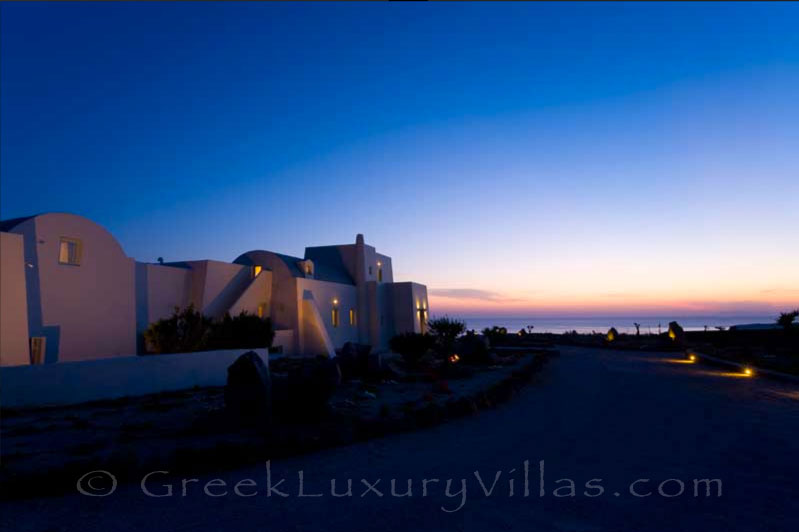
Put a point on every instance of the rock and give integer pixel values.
(248, 393)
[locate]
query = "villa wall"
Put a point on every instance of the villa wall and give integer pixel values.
(323, 294)
(13, 303)
(167, 287)
(113, 378)
(407, 298)
(100, 307)
(258, 293)
(84, 311)
(381, 314)
(217, 285)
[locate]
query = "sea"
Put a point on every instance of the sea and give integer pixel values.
(600, 324)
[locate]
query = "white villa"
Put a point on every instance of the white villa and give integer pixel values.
(68, 292)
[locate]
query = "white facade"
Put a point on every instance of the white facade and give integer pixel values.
(13, 302)
(67, 284)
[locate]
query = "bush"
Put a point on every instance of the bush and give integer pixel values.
(189, 330)
(473, 349)
(444, 332)
(411, 346)
(245, 331)
(495, 334)
(786, 319)
(185, 331)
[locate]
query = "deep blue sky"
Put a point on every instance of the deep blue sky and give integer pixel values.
(501, 152)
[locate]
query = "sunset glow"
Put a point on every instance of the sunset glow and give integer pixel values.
(591, 161)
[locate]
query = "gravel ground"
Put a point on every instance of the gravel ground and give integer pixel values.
(591, 414)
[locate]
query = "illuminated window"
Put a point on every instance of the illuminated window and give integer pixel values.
(335, 317)
(70, 251)
(261, 309)
(352, 316)
(255, 271)
(308, 268)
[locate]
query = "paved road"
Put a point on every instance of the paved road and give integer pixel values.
(591, 414)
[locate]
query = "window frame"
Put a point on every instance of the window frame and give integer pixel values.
(78, 251)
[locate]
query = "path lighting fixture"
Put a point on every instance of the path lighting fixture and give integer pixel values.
(692, 358)
(748, 372)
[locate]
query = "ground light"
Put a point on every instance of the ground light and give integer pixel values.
(748, 372)
(692, 358)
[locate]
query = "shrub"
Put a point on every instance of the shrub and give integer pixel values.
(613, 334)
(411, 346)
(186, 330)
(245, 331)
(495, 334)
(473, 349)
(786, 319)
(444, 332)
(189, 330)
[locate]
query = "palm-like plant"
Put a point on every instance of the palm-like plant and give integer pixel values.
(786, 319)
(445, 331)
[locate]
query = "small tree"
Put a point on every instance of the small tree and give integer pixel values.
(637, 329)
(185, 331)
(444, 332)
(411, 346)
(786, 319)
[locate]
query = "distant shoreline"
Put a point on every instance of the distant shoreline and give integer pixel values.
(624, 324)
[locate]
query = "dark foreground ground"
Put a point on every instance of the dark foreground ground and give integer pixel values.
(592, 414)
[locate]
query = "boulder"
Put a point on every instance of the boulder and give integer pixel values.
(248, 392)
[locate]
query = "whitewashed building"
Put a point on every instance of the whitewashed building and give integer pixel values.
(69, 292)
